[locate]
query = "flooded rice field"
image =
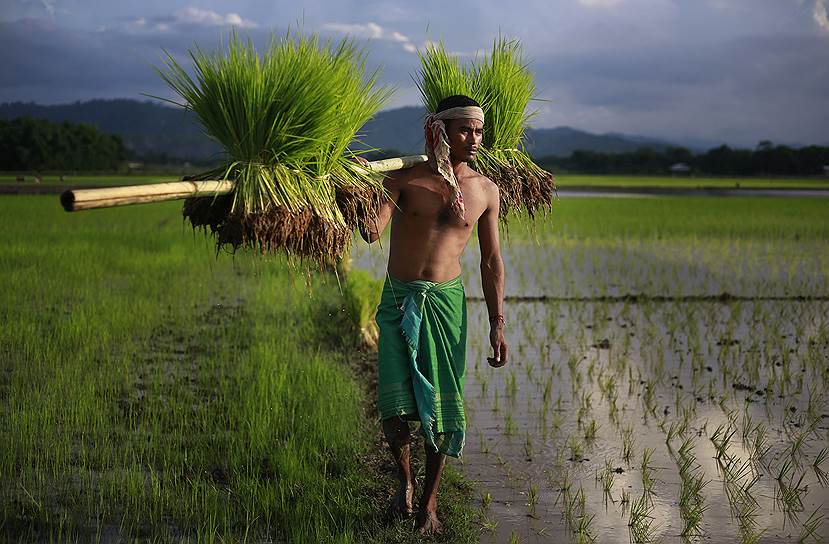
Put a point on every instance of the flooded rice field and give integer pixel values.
(659, 390)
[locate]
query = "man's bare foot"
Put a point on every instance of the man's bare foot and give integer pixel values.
(401, 503)
(428, 523)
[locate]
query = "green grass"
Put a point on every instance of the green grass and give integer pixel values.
(151, 390)
(571, 180)
(563, 181)
(93, 179)
(694, 217)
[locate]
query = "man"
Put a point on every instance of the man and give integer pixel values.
(433, 208)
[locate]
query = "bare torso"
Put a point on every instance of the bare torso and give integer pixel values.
(427, 238)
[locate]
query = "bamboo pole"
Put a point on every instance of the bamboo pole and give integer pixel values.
(110, 197)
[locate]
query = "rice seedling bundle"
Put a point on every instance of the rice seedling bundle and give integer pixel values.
(503, 84)
(285, 118)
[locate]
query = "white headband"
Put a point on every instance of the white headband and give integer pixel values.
(461, 112)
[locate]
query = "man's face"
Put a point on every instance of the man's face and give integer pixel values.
(464, 137)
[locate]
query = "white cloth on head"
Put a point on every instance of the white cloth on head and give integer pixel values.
(461, 112)
(437, 148)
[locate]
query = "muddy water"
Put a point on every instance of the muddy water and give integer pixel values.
(556, 440)
(530, 424)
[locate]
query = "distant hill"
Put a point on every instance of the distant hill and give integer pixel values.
(401, 129)
(145, 127)
(149, 128)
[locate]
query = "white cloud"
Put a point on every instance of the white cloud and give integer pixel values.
(368, 30)
(192, 15)
(49, 7)
(372, 31)
(599, 3)
(819, 14)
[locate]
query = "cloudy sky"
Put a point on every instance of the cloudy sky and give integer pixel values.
(735, 71)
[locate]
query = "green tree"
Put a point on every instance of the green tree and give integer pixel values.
(37, 144)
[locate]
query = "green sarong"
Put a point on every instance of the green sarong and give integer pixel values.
(422, 358)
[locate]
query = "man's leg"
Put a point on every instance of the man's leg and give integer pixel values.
(427, 517)
(400, 438)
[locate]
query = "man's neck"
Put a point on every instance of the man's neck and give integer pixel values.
(459, 167)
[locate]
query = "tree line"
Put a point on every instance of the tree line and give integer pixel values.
(28, 144)
(766, 159)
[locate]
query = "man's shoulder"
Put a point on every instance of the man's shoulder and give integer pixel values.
(400, 179)
(413, 172)
(483, 182)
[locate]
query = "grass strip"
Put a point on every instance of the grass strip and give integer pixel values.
(152, 392)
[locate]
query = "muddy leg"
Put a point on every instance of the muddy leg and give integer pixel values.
(399, 438)
(427, 518)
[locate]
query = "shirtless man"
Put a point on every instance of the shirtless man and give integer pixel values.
(432, 219)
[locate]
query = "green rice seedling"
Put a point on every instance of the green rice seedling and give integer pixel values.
(647, 470)
(546, 394)
(747, 425)
(441, 75)
(640, 520)
(528, 446)
(512, 386)
(502, 83)
(606, 478)
(556, 421)
(692, 516)
(489, 524)
(685, 450)
(796, 446)
(576, 448)
(590, 431)
(758, 446)
(787, 466)
(721, 438)
(821, 475)
(514, 538)
(811, 527)
(530, 369)
(627, 443)
(563, 483)
(572, 364)
(624, 499)
(582, 530)
(532, 499)
(749, 535)
(586, 401)
(486, 501)
(484, 385)
(674, 429)
(789, 497)
(483, 445)
(285, 119)
(509, 424)
(648, 398)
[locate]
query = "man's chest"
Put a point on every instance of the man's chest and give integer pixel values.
(432, 203)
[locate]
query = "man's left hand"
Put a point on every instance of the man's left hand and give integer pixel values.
(499, 346)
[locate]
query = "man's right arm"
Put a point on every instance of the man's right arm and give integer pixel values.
(372, 231)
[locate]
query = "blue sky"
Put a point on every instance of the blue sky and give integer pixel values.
(735, 71)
